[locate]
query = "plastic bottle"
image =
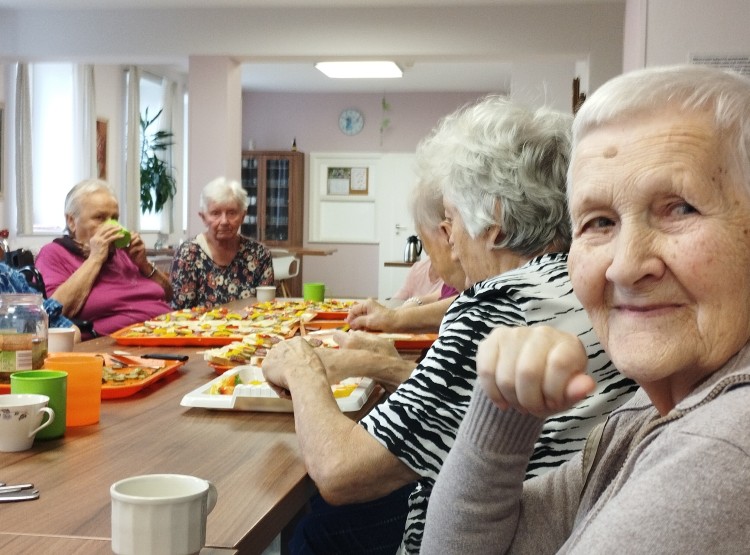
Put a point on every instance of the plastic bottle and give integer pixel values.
(23, 333)
(4, 245)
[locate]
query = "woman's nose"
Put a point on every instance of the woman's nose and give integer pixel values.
(635, 255)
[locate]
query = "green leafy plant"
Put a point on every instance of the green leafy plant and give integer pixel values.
(158, 185)
(385, 122)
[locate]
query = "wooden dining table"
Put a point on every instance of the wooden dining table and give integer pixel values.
(253, 459)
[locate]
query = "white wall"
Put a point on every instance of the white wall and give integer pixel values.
(678, 28)
(503, 32)
(273, 120)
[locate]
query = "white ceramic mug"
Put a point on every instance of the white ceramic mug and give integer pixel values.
(160, 514)
(60, 340)
(265, 293)
(21, 417)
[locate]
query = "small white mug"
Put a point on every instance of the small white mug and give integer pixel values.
(142, 505)
(21, 417)
(60, 340)
(265, 293)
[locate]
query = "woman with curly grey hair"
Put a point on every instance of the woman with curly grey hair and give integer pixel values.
(502, 170)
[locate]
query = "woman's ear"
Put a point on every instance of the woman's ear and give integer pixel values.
(70, 223)
(493, 236)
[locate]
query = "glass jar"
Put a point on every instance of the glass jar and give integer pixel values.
(23, 333)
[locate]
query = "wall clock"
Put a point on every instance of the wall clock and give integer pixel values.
(351, 121)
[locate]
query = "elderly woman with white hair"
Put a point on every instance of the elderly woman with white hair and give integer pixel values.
(220, 265)
(502, 172)
(659, 194)
(421, 314)
(92, 279)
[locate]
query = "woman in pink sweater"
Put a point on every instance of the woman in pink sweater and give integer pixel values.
(93, 280)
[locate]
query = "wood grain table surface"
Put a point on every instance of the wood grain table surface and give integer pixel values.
(252, 458)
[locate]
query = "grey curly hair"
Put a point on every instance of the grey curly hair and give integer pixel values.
(500, 163)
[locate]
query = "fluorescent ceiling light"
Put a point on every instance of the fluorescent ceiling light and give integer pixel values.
(360, 70)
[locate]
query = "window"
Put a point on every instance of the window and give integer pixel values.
(151, 98)
(52, 132)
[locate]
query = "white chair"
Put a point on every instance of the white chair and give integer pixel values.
(285, 266)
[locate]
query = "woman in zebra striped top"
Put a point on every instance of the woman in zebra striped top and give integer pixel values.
(502, 171)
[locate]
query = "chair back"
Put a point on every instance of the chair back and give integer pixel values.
(285, 267)
(19, 258)
(34, 278)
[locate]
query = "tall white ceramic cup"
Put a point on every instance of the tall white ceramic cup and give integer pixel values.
(265, 293)
(60, 340)
(21, 417)
(160, 514)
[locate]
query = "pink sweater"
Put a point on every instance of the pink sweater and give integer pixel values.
(121, 295)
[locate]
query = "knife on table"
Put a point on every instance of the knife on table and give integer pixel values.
(166, 356)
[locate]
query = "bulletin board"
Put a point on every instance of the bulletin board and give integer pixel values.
(342, 197)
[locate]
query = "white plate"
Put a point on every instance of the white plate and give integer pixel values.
(261, 397)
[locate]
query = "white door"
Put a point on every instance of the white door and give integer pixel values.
(394, 223)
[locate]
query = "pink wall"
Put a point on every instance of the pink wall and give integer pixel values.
(273, 120)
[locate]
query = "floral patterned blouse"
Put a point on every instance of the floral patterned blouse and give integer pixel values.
(198, 281)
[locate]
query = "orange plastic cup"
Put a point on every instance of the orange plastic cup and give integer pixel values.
(84, 400)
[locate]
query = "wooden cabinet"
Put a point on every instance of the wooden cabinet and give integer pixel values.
(274, 181)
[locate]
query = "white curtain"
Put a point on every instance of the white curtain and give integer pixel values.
(24, 201)
(130, 198)
(84, 95)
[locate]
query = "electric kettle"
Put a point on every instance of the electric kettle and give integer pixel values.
(413, 249)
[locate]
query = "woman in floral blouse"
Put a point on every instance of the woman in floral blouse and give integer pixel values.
(220, 265)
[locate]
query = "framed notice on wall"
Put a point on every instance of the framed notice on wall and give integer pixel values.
(347, 181)
(342, 197)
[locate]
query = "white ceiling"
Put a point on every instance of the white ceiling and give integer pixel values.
(161, 4)
(421, 77)
(297, 76)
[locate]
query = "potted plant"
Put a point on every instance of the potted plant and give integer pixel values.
(157, 182)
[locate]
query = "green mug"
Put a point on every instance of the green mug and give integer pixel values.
(314, 291)
(53, 384)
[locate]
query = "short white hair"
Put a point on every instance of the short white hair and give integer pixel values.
(222, 190)
(690, 88)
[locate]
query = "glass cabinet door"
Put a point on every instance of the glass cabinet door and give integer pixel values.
(277, 200)
(250, 184)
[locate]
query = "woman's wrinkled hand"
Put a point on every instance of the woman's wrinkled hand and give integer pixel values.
(286, 357)
(369, 315)
(361, 340)
(100, 243)
(536, 370)
(137, 253)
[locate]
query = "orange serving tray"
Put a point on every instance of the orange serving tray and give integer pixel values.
(130, 387)
(331, 315)
(402, 341)
(122, 338)
(221, 368)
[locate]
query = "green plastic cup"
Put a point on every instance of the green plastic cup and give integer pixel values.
(124, 239)
(314, 292)
(53, 384)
